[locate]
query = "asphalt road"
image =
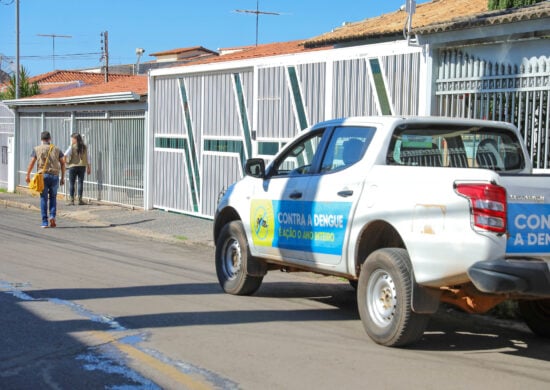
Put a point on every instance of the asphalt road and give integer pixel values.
(86, 306)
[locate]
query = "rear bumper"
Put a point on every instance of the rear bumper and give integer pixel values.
(515, 276)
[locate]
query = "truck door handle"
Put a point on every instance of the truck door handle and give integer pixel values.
(295, 195)
(345, 193)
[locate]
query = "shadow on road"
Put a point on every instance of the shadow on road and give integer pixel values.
(39, 353)
(449, 330)
(133, 291)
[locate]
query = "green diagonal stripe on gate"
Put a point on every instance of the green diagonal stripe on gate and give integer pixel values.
(243, 113)
(193, 173)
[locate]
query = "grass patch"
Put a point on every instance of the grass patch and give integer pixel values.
(3, 190)
(181, 238)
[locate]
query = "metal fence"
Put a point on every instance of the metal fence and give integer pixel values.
(7, 128)
(471, 87)
(116, 142)
(205, 123)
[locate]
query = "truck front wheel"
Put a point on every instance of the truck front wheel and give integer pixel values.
(384, 299)
(536, 315)
(233, 259)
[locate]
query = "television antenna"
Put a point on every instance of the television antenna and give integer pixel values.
(257, 12)
(53, 36)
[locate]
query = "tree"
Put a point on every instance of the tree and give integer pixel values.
(26, 88)
(503, 4)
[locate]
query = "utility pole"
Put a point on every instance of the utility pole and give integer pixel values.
(105, 51)
(17, 70)
(53, 36)
(257, 12)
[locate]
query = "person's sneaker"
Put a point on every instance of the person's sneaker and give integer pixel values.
(81, 202)
(70, 202)
(44, 225)
(52, 222)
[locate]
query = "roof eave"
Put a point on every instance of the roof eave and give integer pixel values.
(355, 38)
(86, 99)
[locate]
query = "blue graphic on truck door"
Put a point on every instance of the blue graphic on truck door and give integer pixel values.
(529, 228)
(318, 227)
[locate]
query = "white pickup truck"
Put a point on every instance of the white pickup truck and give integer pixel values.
(412, 211)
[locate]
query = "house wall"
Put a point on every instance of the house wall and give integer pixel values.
(116, 141)
(7, 131)
(206, 120)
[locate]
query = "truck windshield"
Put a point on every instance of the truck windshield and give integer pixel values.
(457, 147)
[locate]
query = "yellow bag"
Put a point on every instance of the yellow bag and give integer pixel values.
(37, 182)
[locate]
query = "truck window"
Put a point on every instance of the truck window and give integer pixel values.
(347, 146)
(297, 159)
(457, 147)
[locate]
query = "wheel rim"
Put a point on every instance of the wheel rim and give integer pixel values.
(381, 298)
(232, 258)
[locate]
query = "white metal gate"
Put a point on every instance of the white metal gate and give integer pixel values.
(207, 121)
(7, 129)
(116, 141)
(471, 87)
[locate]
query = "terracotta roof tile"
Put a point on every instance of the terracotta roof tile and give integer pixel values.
(67, 76)
(392, 23)
(511, 15)
(263, 50)
(135, 84)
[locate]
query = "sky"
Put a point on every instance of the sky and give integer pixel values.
(161, 25)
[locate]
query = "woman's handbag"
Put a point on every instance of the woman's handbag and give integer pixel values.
(37, 181)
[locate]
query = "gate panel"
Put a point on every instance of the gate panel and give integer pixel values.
(352, 92)
(171, 191)
(402, 72)
(276, 120)
(215, 184)
(472, 87)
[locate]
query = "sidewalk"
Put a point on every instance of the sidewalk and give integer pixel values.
(157, 224)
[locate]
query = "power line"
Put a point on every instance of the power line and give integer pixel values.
(53, 36)
(58, 56)
(257, 12)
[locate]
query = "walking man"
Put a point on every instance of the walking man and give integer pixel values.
(55, 166)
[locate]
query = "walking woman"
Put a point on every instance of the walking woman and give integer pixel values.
(77, 159)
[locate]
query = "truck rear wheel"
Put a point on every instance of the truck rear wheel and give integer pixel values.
(536, 315)
(384, 299)
(232, 259)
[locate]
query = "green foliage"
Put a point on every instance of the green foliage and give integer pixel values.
(26, 88)
(504, 4)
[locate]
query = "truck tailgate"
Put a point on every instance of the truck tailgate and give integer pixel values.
(528, 214)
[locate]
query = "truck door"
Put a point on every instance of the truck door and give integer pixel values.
(278, 211)
(334, 192)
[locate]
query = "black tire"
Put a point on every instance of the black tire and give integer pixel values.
(536, 315)
(232, 259)
(384, 299)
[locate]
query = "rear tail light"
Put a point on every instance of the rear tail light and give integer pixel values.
(487, 205)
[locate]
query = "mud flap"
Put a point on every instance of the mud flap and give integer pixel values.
(256, 267)
(425, 300)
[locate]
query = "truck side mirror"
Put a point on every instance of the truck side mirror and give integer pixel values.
(255, 167)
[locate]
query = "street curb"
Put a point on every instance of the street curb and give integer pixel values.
(19, 205)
